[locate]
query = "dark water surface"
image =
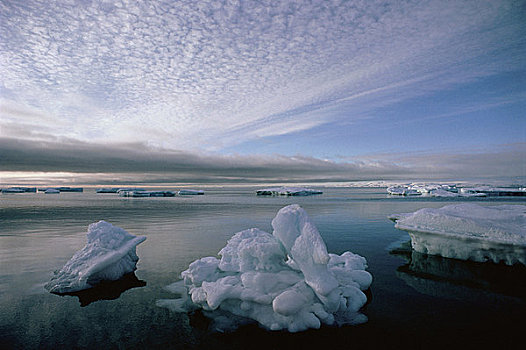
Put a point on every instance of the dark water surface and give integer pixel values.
(416, 301)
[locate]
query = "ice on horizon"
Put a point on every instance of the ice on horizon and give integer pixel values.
(285, 281)
(108, 255)
(287, 191)
(451, 190)
(468, 232)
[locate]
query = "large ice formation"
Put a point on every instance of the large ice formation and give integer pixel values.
(468, 232)
(108, 255)
(285, 280)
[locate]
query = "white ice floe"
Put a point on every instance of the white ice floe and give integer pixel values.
(468, 232)
(108, 255)
(285, 280)
(451, 190)
(134, 193)
(402, 191)
(287, 191)
(190, 192)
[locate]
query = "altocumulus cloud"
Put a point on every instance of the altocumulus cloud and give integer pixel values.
(204, 75)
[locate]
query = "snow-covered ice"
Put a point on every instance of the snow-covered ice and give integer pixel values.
(287, 191)
(285, 280)
(468, 232)
(108, 255)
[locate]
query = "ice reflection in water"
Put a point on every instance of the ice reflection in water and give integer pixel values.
(459, 279)
(107, 290)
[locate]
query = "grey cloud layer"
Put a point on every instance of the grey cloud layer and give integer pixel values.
(163, 165)
(137, 162)
(206, 74)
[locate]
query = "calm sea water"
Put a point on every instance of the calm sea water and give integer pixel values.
(415, 300)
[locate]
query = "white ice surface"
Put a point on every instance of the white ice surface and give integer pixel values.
(286, 280)
(468, 232)
(108, 255)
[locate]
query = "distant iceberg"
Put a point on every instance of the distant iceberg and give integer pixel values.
(108, 255)
(287, 191)
(191, 192)
(468, 232)
(285, 281)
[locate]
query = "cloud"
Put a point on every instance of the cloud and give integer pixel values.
(140, 163)
(200, 75)
(505, 161)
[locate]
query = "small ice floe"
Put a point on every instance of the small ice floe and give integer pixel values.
(70, 189)
(108, 255)
(142, 193)
(285, 281)
(402, 191)
(162, 193)
(129, 189)
(190, 192)
(60, 189)
(19, 190)
(287, 191)
(134, 193)
(108, 190)
(468, 232)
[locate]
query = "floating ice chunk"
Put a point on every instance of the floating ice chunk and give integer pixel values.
(286, 280)
(287, 191)
(468, 232)
(108, 255)
(402, 191)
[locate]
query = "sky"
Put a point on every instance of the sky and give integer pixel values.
(261, 91)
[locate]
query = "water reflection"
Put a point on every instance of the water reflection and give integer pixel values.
(107, 290)
(458, 279)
